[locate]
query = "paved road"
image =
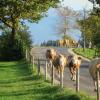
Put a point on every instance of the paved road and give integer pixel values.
(86, 83)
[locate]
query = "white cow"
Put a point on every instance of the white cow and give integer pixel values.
(95, 63)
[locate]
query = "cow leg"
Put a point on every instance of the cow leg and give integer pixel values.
(95, 85)
(72, 74)
(50, 64)
(74, 77)
(59, 73)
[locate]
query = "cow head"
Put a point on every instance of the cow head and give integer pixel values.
(50, 54)
(74, 61)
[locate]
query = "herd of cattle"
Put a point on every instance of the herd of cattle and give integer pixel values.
(67, 43)
(73, 62)
(61, 43)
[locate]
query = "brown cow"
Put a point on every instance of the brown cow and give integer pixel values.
(74, 63)
(94, 64)
(73, 43)
(64, 42)
(58, 60)
(60, 42)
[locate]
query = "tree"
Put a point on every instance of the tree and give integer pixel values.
(83, 23)
(66, 16)
(13, 12)
(92, 29)
(22, 41)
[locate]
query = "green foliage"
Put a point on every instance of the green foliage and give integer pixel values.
(8, 52)
(17, 50)
(24, 38)
(91, 28)
(88, 53)
(12, 12)
(12, 15)
(18, 83)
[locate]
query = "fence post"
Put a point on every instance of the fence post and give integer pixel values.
(33, 63)
(77, 80)
(97, 72)
(46, 70)
(30, 58)
(52, 75)
(61, 79)
(26, 54)
(38, 66)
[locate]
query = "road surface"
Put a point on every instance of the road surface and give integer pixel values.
(86, 83)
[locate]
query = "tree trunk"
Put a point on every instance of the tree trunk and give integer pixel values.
(14, 29)
(12, 37)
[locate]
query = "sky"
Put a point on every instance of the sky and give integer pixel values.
(45, 30)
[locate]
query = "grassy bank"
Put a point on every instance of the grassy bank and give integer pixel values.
(88, 53)
(17, 83)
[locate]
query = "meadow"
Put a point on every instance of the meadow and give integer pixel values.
(17, 82)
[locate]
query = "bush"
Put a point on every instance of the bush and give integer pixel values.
(10, 52)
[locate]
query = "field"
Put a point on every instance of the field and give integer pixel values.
(18, 83)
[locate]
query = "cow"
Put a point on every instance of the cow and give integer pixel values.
(93, 67)
(58, 60)
(60, 42)
(64, 42)
(74, 63)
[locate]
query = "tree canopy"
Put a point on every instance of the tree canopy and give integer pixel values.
(13, 12)
(91, 29)
(22, 41)
(64, 24)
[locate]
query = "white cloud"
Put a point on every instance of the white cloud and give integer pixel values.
(78, 4)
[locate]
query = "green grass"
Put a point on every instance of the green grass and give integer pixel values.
(17, 83)
(88, 53)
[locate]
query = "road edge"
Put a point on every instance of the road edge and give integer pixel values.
(70, 50)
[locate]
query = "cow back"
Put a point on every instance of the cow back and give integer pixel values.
(92, 68)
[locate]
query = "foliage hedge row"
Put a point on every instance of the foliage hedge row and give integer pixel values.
(8, 52)
(15, 51)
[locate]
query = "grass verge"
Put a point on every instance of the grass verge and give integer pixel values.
(88, 53)
(18, 83)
